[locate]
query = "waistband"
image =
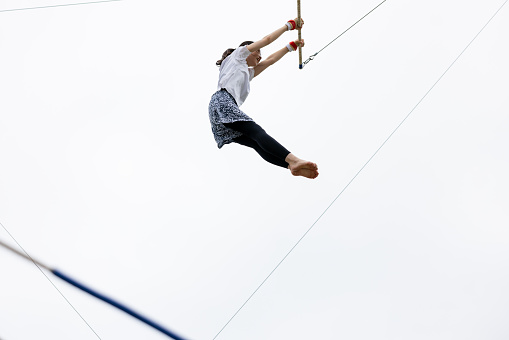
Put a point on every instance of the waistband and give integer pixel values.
(229, 94)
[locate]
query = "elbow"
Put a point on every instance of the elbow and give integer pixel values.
(267, 40)
(271, 61)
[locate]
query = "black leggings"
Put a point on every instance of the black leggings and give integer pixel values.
(255, 137)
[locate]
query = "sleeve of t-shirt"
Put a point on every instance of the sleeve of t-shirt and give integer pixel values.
(251, 73)
(242, 53)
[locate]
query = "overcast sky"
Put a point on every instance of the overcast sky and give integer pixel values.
(109, 172)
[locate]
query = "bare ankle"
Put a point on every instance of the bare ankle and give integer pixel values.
(291, 159)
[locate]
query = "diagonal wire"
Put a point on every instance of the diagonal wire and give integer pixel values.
(95, 293)
(362, 168)
(25, 254)
(52, 6)
(355, 23)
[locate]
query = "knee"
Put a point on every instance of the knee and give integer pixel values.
(259, 134)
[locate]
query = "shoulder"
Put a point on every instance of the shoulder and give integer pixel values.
(241, 53)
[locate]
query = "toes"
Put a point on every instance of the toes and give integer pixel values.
(305, 173)
(311, 165)
(305, 169)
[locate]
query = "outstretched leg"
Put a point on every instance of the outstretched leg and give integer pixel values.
(256, 137)
(246, 141)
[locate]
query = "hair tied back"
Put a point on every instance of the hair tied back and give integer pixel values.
(230, 51)
(225, 55)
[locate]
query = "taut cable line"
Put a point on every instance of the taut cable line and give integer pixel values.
(41, 266)
(88, 290)
(52, 6)
(314, 55)
(362, 168)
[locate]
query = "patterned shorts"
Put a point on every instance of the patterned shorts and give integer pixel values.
(224, 109)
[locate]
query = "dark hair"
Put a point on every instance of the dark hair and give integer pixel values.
(230, 51)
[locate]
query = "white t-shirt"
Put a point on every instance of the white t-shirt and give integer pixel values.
(235, 75)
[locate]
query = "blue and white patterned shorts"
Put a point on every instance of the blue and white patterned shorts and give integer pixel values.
(224, 109)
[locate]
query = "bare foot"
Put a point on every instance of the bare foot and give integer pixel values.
(300, 167)
(308, 173)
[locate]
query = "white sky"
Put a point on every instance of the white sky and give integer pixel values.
(110, 173)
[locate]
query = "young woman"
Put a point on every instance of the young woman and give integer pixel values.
(229, 124)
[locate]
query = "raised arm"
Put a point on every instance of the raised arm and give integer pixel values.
(258, 45)
(274, 57)
(292, 24)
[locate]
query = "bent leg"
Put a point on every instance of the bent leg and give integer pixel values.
(256, 137)
(246, 141)
(270, 150)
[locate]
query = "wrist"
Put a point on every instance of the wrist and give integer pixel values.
(292, 46)
(291, 25)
